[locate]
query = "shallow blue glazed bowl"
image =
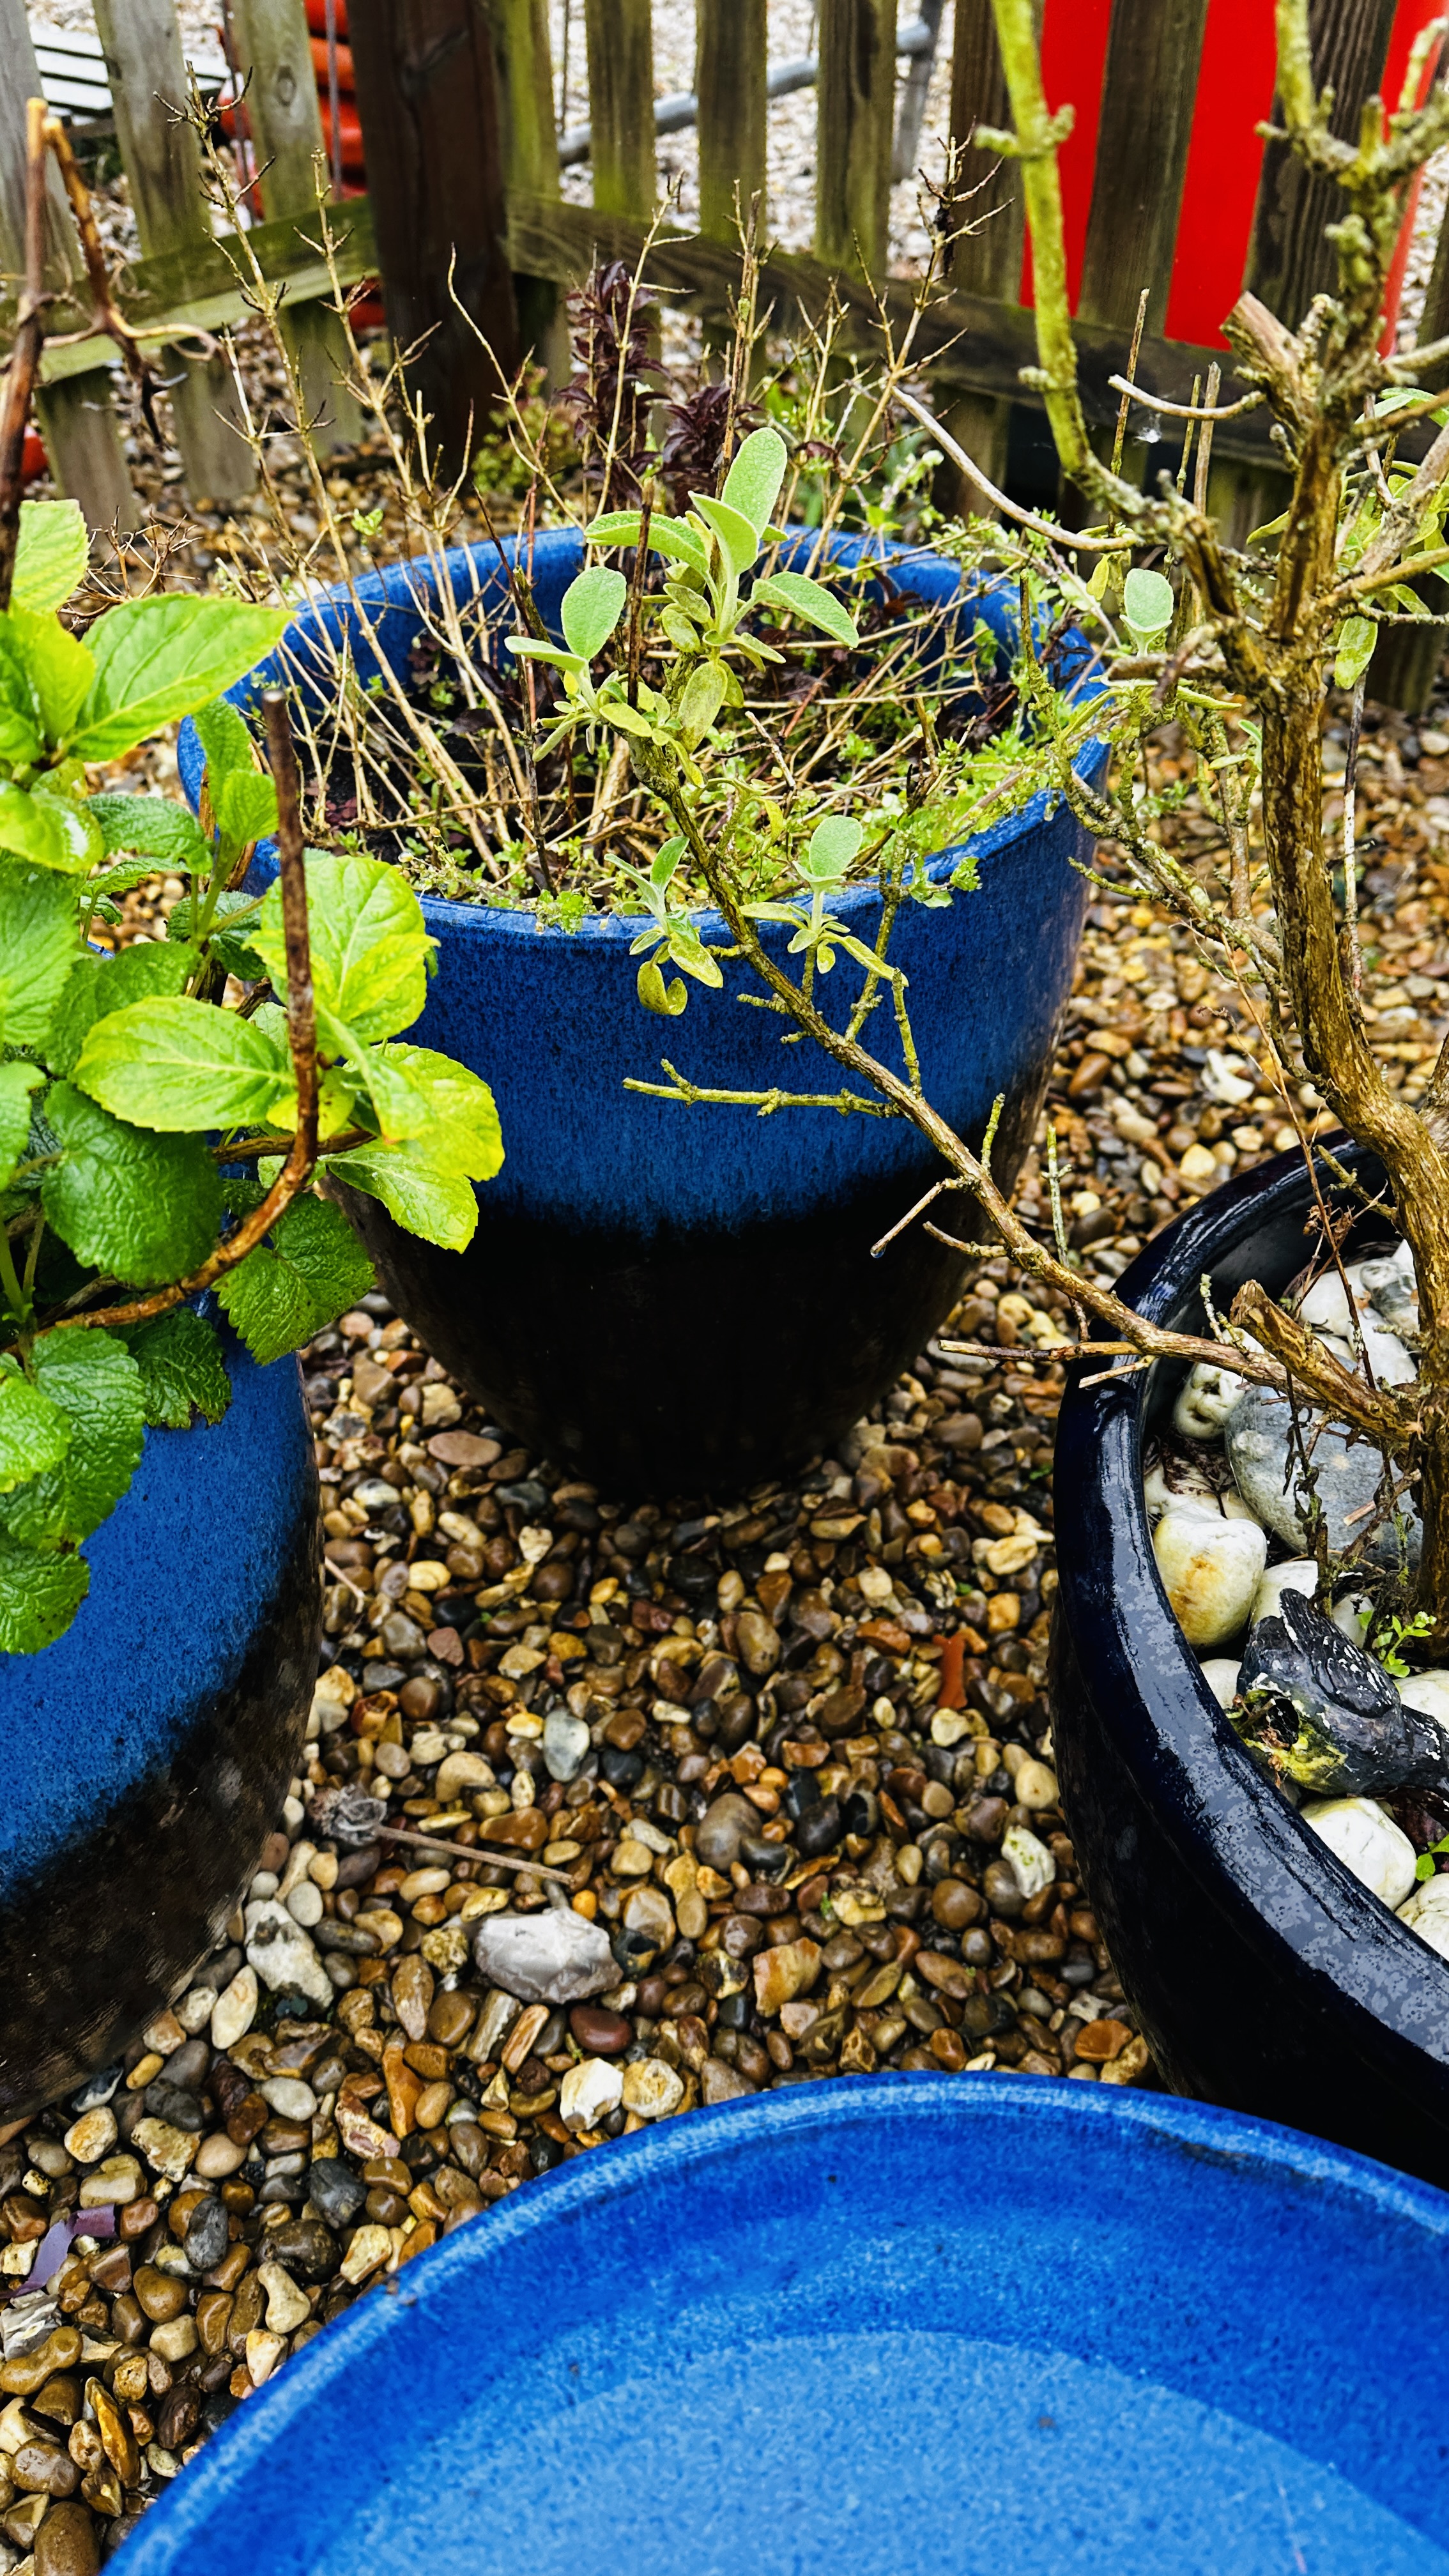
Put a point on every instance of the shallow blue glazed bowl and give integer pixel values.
(148, 1751)
(682, 1299)
(905, 2327)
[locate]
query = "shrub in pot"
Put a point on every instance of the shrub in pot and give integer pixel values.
(163, 1252)
(771, 596)
(1327, 1381)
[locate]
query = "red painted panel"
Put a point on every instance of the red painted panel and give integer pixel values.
(1074, 58)
(1224, 159)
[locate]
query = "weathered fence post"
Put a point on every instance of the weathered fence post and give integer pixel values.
(1148, 95)
(985, 257)
(286, 124)
(855, 103)
(730, 79)
(427, 94)
(530, 156)
(620, 37)
(81, 433)
(162, 158)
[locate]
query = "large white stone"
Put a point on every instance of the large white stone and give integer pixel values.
(1427, 1913)
(1298, 1574)
(1367, 1841)
(552, 1958)
(1429, 1693)
(1211, 1570)
(1029, 1858)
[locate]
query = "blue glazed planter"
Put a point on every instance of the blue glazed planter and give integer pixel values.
(913, 2324)
(1266, 1975)
(148, 1751)
(681, 1299)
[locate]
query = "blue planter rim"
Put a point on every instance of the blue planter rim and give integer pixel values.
(582, 2190)
(399, 586)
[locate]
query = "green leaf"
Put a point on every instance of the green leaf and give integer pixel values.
(144, 1207)
(806, 598)
(1356, 640)
(173, 1065)
(78, 1007)
(592, 607)
(146, 971)
(181, 1367)
(40, 1593)
(833, 844)
(369, 943)
(671, 537)
(703, 697)
(440, 1206)
(59, 670)
(155, 827)
(21, 741)
(39, 944)
(738, 541)
(50, 831)
(226, 739)
(752, 485)
(310, 1270)
(156, 659)
(667, 999)
(1147, 604)
(461, 1135)
(92, 1377)
(52, 555)
(246, 806)
(231, 948)
(17, 1081)
(34, 1433)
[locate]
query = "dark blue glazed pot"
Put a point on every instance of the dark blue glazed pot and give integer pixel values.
(148, 1751)
(682, 1299)
(1266, 1975)
(911, 2323)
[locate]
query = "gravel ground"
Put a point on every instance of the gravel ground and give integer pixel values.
(775, 1776)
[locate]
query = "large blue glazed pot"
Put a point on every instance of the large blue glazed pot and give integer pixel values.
(919, 2323)
(682, 1299)
(1266, 1975)
(148, 1751)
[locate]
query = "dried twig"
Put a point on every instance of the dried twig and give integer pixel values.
(25, 352)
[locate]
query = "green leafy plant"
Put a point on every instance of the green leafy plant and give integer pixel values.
(165, 1112)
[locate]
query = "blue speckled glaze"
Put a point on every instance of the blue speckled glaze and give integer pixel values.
(910, 2327)
(551, 1020)
(147, 1751)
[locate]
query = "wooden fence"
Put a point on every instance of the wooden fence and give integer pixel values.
(457, 105)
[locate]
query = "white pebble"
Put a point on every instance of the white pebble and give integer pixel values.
(195, 2009)
(264, 1884)
(1429, 1693)
(1367, 1841)
(1220, 1672)
(1427, 1913)
(1029, 1859)
(1205, 1399)
(236, 2010)
(1299, 1574)
(288, 2096)
(1211, 1570)
(305, 1904)
(589, 2092)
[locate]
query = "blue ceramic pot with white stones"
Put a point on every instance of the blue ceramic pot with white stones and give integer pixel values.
(1264, 1974)
(683, 1300)
(147, 1752)
(957, 2325)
